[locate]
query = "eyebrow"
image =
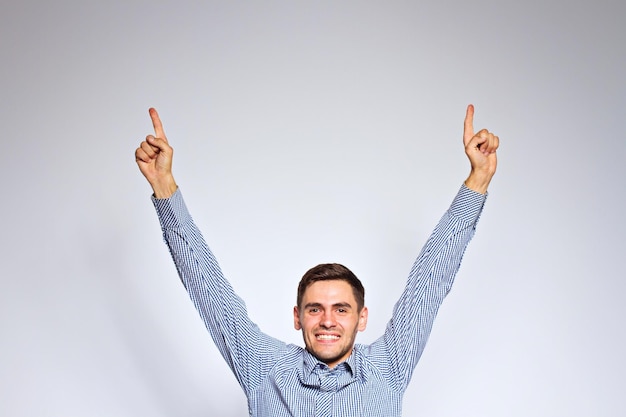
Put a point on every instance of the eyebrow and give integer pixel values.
(344, 304)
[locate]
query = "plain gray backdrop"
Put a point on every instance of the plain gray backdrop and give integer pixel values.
(308, 132)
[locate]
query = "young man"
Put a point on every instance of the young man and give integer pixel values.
(332, 375)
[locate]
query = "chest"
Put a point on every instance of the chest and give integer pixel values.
(325, 394)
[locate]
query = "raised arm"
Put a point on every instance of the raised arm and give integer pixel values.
(432, 274)
(249, 352)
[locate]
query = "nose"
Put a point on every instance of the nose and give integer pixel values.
(327, 320)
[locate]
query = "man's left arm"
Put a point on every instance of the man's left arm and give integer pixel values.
(433, 272)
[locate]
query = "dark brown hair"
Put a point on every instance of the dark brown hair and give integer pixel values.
(327, 272)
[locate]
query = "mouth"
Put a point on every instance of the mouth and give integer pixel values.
(327, 337)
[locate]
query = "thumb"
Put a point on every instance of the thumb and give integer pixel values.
(163, 152)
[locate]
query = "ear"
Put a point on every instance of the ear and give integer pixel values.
(362, 319)
(296, 318)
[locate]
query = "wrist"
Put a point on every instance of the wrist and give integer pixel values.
(478, 181)
(164, 188)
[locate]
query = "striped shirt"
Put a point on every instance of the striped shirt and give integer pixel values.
(282, 379)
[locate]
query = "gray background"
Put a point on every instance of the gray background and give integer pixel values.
(309, 132)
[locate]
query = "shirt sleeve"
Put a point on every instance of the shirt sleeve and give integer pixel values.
(429, 281)
(249, 352)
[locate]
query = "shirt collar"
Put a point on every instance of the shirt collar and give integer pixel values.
(312, 367)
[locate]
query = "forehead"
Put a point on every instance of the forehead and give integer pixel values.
(329, 292)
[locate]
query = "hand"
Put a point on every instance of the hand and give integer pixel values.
(480, 148)
(154, 158)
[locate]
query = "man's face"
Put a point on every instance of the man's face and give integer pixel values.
(329, 320)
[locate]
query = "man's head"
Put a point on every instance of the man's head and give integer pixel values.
(329, 272)
(330, 311)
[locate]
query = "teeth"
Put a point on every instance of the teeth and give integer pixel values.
(327, 337)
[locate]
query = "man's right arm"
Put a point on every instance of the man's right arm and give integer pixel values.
(249, 352)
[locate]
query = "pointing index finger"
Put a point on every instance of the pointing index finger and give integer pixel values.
(156, 122)
(468, 128)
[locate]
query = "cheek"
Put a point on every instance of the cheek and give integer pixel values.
(300, 323)
(355, 323)
(307, 323)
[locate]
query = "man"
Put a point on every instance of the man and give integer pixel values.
(332, 375)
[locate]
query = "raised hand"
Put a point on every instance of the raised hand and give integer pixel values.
(480, 148)
(154, 159)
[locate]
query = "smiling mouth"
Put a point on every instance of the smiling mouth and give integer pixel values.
(326, 337)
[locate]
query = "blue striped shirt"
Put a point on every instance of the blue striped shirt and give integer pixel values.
(282, 379)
